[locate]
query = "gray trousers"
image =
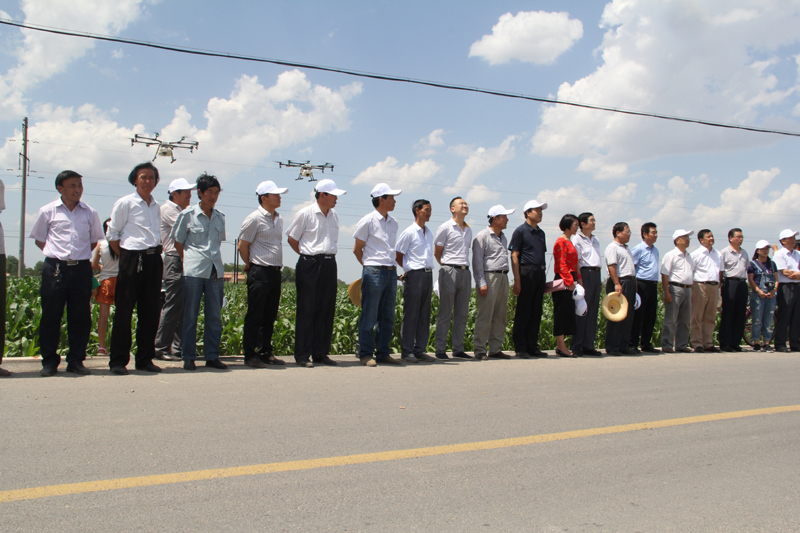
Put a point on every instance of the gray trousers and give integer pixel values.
(677, 318)
(586, 325)
(455, 286)
(416, 326)
(170, 327)
(492, 314)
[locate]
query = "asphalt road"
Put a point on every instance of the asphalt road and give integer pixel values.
(739, 474)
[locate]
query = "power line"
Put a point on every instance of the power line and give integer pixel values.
(386, 77)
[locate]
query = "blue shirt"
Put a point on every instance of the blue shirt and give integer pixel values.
(646, 259)
(201, 238)
(530, 243)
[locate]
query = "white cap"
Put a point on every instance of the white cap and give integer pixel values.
(269, 187)
(533, 204)
(681, 233)
(382, 189)
(761, 244)
(785, 234)
(499, 210)
(180, 184)
(329, 187)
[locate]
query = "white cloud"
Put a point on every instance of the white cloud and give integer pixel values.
(429, 143)
(607, 207)
(535, 37)
(676, 58)
(117, 54)
(407, 177)
(479, 161)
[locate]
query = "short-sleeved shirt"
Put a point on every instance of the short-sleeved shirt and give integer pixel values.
(646, 260)
(454, 241)
(264, 234)
(734, 264)
(67, 235)
(787, 260)
(617, 254)
(379, 234)
(678, 267)
(588, 249)
(134, 223)
(316, 232)
(169, 214)
(201, 238)
(706, 264)
(416, 246)
(489, 253)
(530, 243)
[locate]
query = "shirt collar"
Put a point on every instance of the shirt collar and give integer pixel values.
(267, 213)
(80, 204)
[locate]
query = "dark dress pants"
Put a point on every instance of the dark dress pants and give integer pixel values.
(138, 288)
(586, 325)
(528, 315)
(787, 317)
(618, 334)
(644, 318)
(315, 278)
(734, 312)
(263, 299)
(415, 329)
(69, 286)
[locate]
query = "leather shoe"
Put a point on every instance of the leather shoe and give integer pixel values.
(699, 349)
(725, 349)
(650, 349)
(628, 352)
(592, 352)
(613, 352)
(119, 370)
(367, 361)
(78, 368)
(462, 355)
(50, 370)
(389, 360)
(424, 358)
(782, 349)
(189, 365)
(254, 362)
(305, 364)
(499, 355)
(271, 359)
(523, 355)
(442, 355)
(537, 353)
(149, 367)
(712, 349)
(736, 348)
(325, 361)
(216, 363)
(482, 357)
(577, 351)
(166, 357)
(409, 358)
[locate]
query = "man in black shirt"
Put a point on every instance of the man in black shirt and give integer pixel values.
(527, 247)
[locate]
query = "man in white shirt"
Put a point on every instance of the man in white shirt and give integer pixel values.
(589, 262)
(415, 254)
(787, 317)
(66, 230)
(134, 233)
(313, 235)
(262, 254)
(451, 249)
(621, 279)
(734, 262)
(376, 236)
(170, 327)
(705, 292)
(677, 278)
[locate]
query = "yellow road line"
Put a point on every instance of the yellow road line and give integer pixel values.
(269, 468)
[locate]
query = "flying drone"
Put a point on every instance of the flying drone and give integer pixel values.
(306, 169)
(164, 148)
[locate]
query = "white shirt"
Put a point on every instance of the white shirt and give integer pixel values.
(169, 214)
(316, 233)
(706, 264)
(787, 260)
(588, 249)
(136, 225)
(379, 235)
(264, 234)
(68, 235)
(678, 267)
(619, 255)
(455, 241)
(416, 246)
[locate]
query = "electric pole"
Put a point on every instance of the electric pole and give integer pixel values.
(21, 267)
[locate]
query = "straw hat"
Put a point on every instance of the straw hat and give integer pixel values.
(615, 307)
(355, 292)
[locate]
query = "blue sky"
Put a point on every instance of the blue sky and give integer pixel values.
(730, 61)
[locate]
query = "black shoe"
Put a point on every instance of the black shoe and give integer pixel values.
(189, 365)
(628, 352)
(119, 370)
(782, 349)
(216, 363)
(650, 349)
(523, 355)
(270, 359)
(725, 349)
(442, 355)
(462, 355)
(757, 347)
(149, 367)
(305, 364)
(50, 370)
(254, 362)
(577, 351)
(592, 352)
(564, 354)
(736, 348)
(537, 353)
(613, 352)
(499, 355)
(325, 360)
(78, 368)
(712, 349)
(699, 349)
(166, 357)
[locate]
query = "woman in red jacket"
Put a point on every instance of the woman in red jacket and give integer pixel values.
(566, 268)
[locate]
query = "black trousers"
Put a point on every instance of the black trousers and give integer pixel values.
(586, 325)
(528, 315)
(263, 299)
(69, 286)
(315, 278)
(138, 288)
(416, 326)
(618, 334)
(644, 318)
(734, 312)
(787, 316)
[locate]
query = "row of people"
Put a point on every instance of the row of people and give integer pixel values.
(139, 231)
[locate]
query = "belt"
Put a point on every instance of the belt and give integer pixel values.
(597, 269)
(147, 251)
(69, 262)
(651, 281)
(273, 267)
(382, 267)
(735, 279)
(421, 270)
(320, 256)
(534, 266)
(495, 271)
(708, 282)
(462, 267)
(680, 285)
(627, 277)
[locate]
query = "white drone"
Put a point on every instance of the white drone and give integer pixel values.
(164, 148)
(306, 169)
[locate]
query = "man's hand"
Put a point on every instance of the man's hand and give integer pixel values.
(483, 291)
(517, 288)
(618, 288)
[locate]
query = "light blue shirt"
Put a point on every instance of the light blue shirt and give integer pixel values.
(201, 238)
(646, 259)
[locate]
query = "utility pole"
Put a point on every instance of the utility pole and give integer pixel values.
(21, 267)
